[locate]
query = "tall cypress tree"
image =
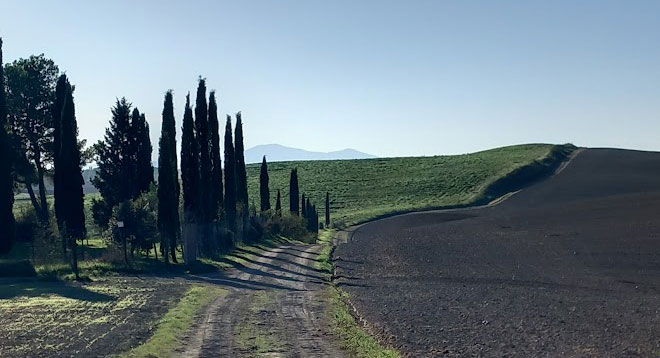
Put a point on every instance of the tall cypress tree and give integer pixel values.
(190, 178)
(216, 162)
(205, 167)
(264, 190)
(168, 182)
(6, 182)
(230, 177)
(60, 95)
(133, 144)
(278, 203)
(145, 169)
(303, 206)
(327, 209)
(293, 192)
(241, 174)
(71, 182)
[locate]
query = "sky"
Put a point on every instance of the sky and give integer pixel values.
(390, 78)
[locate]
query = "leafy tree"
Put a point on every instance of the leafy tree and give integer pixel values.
(30, 97)
(241, 174)
(327, 209)
(190, 178)
(168, 182)
(264, 191)
(70, 186)
(216, 161)
(278, 203)
(6, 182)
(293, 192)
(116, 157)
(230, 177)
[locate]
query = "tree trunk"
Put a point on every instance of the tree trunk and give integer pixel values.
(190, 243)
(42, 188)
(33, 199)
(74, 264)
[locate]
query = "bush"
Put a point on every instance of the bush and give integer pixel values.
(291, 226)
(27, 224)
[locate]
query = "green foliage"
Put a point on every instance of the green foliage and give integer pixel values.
(291, 226)
(70, 210)
(366, 189)
(169, 222)
(140, 222)
(239, 152)
(294, 189)
(189, 165)
(216, 161)
(205, 189)
(264, 190)
(230, 177)
(6, 181)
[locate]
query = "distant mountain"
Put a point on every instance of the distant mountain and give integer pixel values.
(280, 153)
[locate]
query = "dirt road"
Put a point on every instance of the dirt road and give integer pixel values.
(274, 310)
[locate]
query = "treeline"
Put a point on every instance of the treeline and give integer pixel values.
(200, 208)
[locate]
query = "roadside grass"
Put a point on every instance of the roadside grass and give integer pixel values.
(362, 190)
(353, 337)
(171, 329)
(324, 260)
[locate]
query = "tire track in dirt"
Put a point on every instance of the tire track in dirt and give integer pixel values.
(275, 309)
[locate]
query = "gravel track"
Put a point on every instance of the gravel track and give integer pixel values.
(277, 298)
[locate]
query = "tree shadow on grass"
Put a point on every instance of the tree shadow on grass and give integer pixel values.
(39, 288)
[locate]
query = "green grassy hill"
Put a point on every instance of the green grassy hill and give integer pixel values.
(361, 190)
(364, 189)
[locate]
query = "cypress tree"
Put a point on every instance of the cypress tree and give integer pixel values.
(264, 190)
(230, 177)
(205, 211)
(293, 192)
(190, 178)
(168, 182)
(241, 174)
(303, 206)
(71, 180)
(133, 145)
(327, 209)
(278, 203)
(205, 167)
(60, 95)
(6, 182)
(145, 169)
(216, 162)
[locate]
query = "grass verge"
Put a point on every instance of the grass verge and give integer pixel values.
(353, 337)
(171, 329)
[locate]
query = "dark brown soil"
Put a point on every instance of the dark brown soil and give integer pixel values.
(100, 319)
(569, 267)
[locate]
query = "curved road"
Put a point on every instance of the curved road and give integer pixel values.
(568, 267)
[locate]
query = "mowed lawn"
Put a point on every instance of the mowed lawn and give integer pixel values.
(365, 189)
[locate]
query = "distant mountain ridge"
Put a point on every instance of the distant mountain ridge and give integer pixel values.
(280, 153)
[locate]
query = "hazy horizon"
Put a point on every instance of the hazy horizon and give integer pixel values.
(385, 78)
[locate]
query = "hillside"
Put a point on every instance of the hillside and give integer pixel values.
(364, 189)
(280, 153)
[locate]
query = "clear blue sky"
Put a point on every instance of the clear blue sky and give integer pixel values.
(388, 78)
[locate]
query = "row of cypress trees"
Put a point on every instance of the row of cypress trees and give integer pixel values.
(211, 195)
